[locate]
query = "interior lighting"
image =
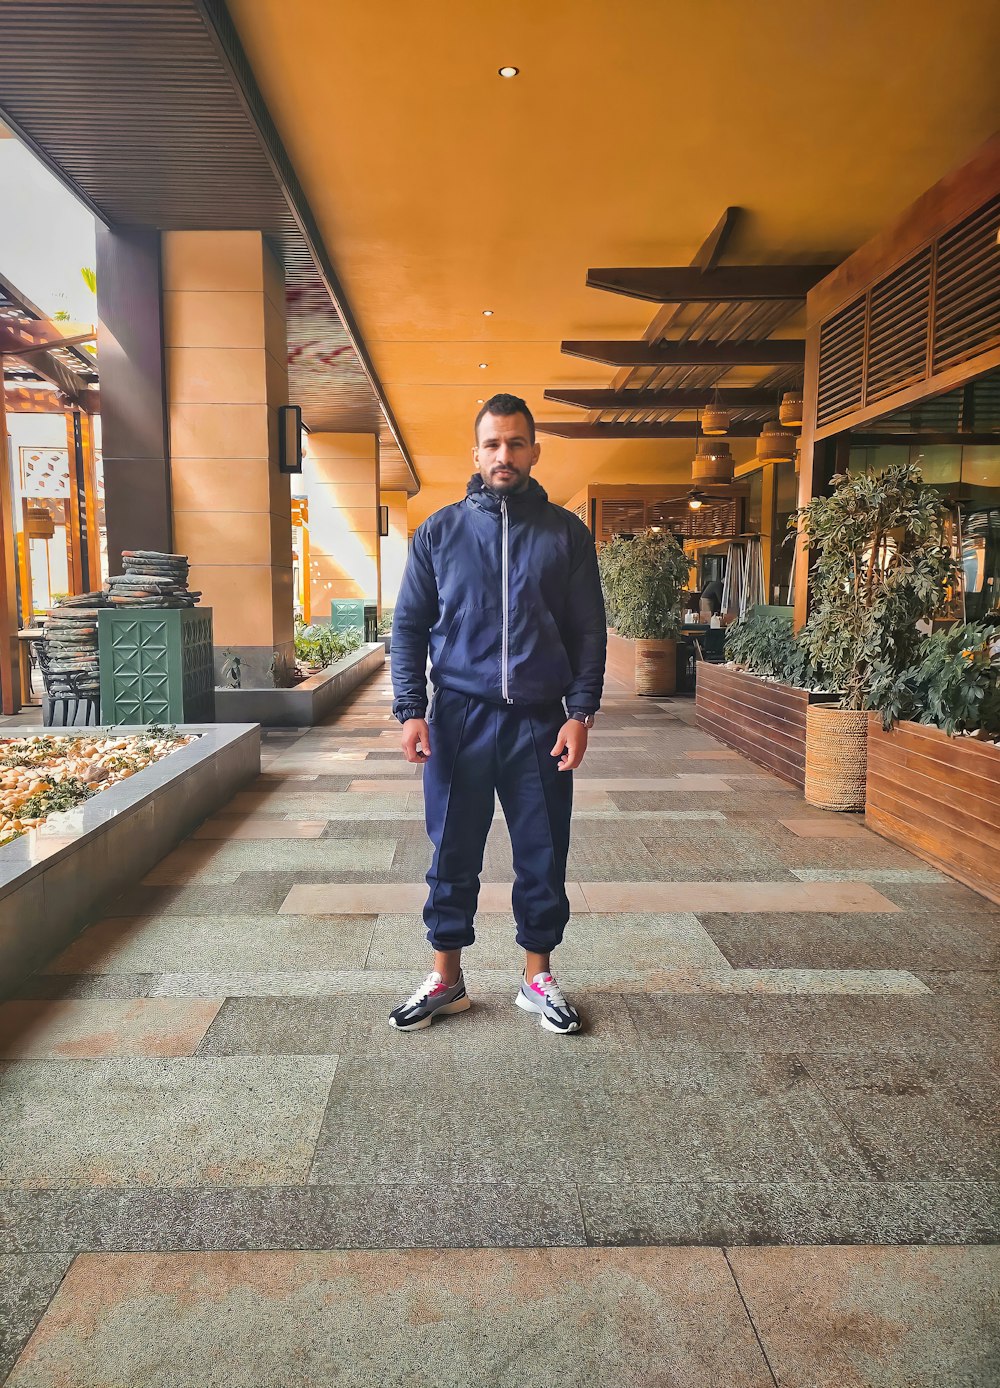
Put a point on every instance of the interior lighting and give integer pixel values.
(713, 463)
(487, 313)
(508, 71)
(696, 501)
(483, 365)
(714, 419)
(790, 409)
(775, 444)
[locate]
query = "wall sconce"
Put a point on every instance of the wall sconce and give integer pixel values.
(289, 438)
(383, 521)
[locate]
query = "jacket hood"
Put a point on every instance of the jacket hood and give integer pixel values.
(488, 500)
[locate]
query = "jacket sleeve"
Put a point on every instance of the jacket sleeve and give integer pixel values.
(415, 613)
(587, 629)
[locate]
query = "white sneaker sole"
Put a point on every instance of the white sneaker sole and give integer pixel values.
(526, 1005)
(462, 1005)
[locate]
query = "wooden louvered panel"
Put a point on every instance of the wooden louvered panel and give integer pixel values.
(581, 512)
(897, 328)
(841, 362)
(967, 292)
(622, 517)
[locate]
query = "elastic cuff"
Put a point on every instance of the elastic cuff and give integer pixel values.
(402, 714)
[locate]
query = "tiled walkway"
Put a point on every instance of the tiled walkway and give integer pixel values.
(769, 1160)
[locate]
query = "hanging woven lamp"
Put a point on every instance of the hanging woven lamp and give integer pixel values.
(715, 420)
(713, 463)
(790, 409)
(775, 444)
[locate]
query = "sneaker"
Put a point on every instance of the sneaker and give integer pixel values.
(544, 996)
(432, 999)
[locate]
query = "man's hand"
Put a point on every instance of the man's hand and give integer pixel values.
(571, 744)
(416, 740)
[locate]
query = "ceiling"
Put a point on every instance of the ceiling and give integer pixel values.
(441, 189)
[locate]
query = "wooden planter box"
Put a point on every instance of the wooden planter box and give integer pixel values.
(764, 721)
(938, 796)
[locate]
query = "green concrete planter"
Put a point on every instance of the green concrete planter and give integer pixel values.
(156, 665)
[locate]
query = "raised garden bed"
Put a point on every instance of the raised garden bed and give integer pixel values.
(48, 774)
(54, 879)
(303, 704)
(764, 720)
(938, 796)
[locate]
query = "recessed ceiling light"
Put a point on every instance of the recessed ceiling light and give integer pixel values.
(483, 365)
(480, 402)
(509, 71)
(487, 313)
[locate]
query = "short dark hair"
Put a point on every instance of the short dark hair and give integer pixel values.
(505, 404)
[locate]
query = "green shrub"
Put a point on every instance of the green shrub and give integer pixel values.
(882, 565)
(321, 645)
(953, 682)
(385, 623)
(763, 643)
(643, 580)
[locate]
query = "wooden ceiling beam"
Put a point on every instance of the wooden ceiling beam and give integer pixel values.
(676, 429)
(727, 399)
(21, 335)
(677, 284)
(773, 352)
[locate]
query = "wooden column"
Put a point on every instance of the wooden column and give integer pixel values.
(227, 376)
(133, 396)
(10, 674)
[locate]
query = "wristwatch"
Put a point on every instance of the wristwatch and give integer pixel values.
(587, 719)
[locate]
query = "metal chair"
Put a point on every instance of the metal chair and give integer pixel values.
(66, 695)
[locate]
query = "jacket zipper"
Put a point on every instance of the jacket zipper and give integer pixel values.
(505, 579)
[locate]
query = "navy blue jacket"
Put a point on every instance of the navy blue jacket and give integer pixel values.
(505, 593)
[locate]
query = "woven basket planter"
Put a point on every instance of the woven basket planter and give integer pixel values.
(656, 667)
(836, 758)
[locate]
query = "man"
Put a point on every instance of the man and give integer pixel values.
(503, 590)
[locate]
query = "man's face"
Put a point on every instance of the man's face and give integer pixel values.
(505, 454)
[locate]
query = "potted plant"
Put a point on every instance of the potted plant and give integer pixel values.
(643, 579)
(882, 565)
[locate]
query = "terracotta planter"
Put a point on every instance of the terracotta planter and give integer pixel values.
(655, 667)
(938, 796)
(836, 758)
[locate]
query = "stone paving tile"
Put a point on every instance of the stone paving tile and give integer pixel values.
(729, 1212)
(133, 945)
(85, 985)
(762, 804)
(700, 858)
(334, 898)
(714, 896)
(352, 1025)
(592, 942)
(919, 1317)
(225, 862)
(946, 898)
(27, 1284)
(895, 1023)
(873, 941)
(479, 1316)
(205, 1121)
(581, 982)
(488, 1214)
(930, 1116)
(92, 1027)
(833, 826)
(646, 1117)
(259, 827)
(254, 894)
(859, 874)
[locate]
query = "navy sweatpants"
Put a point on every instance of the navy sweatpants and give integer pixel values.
(478, 748)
